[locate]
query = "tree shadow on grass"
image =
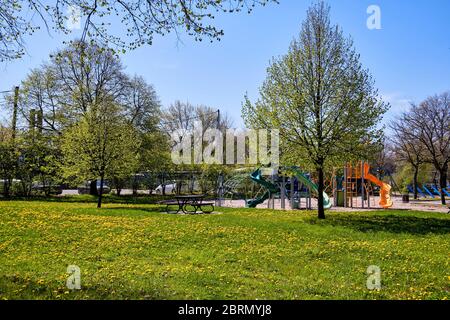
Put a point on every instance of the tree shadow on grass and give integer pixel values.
(154, 209)
(387, 223)
(85, 198)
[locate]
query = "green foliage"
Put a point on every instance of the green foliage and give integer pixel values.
(320, 98)
(210, 176)
(100, 145)
(155, 152)
(81, 75)
(81, 91)
(8, 159)
(39, 161)
(404, 176)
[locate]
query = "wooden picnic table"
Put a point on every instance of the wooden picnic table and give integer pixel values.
(191, 203)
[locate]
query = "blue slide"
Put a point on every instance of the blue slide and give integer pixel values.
(421, 192)
(410, 189)
(428, 191)
(437, 191)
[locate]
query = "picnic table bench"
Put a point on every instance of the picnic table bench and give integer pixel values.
(189, 204)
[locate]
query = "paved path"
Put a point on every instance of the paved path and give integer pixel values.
(431, 206)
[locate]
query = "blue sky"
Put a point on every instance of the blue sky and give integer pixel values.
(409, 57)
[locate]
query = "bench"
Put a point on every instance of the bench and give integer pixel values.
(169, 204)
(189, 204)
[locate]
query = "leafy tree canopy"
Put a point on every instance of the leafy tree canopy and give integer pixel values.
(320, 98)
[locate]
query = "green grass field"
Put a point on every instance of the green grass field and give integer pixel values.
(133, 251)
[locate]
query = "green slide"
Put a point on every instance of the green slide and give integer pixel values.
(274, 189)
(271, 189)
(307, 182)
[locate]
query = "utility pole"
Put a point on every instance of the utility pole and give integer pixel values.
(14, 117)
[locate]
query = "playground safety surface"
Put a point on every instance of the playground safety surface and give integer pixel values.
(418, 205)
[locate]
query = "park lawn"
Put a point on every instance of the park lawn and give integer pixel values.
(133, 251)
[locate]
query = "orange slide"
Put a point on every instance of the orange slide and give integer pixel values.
(385, 189)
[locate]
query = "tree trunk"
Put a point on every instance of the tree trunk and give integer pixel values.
(321, 211)
(10, 188)
(47, 189)
(6, 187)
(443, 182)
(93, 188)
(416, 173)
(134, 185)
(118, 185)
(24, 188)
(100, 194)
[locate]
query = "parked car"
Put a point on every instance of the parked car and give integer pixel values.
(170, 188)
(86, 188)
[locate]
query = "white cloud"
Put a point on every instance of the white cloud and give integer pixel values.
(399, 103)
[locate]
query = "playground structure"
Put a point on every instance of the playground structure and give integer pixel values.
(357, 190)
(293, 188)
(286, 188)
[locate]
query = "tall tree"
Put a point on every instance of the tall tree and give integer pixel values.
(429, 124)
(80, 76)
(144, 113)
(319, 96)
(140, 20)
(39, 160)
(87, 74)
(407, 147)
(8, 159)
(76, 78)
(101, 144)
(142, 105)
(184, 115)
(41, 92)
